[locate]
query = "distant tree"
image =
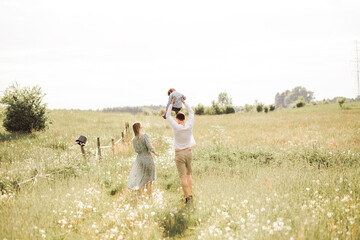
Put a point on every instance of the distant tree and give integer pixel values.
(224, 99)
(341, 101)
(248, 108)
(24, 111)
(287, 98)
(297, 92)
(200, 109)
(280, 99)
(324, 101)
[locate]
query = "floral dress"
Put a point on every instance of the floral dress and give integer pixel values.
(143, 170)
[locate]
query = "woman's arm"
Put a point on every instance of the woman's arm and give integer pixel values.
(150, 146)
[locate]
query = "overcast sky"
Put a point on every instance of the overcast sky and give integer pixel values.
(95, 54)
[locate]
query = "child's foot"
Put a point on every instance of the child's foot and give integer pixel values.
(164, 117)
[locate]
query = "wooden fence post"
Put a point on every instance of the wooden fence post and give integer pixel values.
(83, 151)
(122, 136)
(98, 146)
(113, 146)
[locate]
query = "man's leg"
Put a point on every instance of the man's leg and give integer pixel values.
(189, 181)
(184, 185)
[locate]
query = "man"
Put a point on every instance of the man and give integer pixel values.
(183, 141)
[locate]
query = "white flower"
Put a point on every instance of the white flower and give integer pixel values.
(329, 214)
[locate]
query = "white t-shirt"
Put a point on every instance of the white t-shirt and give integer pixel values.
(183, 136)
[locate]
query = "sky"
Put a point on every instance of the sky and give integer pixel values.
(95, 54)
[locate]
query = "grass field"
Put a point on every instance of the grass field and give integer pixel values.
(288, 174)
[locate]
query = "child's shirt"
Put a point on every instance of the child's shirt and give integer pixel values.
(177, 96)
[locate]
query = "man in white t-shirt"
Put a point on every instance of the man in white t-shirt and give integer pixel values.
(183, 141)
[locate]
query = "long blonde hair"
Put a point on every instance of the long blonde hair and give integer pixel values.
(136, 129)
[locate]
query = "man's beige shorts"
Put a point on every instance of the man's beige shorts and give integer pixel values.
(183, 161)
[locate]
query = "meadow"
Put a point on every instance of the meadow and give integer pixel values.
(288, 174)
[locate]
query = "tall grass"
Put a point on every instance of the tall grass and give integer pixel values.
(289, 174)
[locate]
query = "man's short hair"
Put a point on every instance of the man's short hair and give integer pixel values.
(180, 116)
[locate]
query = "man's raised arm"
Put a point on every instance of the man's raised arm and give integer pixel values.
(190, 111)
(172, 122)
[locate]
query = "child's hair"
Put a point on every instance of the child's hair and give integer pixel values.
(136, 129)
(171, 90)
(180, 116)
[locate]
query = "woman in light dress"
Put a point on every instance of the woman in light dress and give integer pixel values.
(143, 172)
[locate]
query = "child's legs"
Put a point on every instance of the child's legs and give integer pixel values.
(176, 110)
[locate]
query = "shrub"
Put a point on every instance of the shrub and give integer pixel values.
(272, 107)
(259, 107)
(341, 101)
(199, 110)
(24, 110)
(300, 102)
(229, 109)
(215, 108)
(266, 109)
(324, 101)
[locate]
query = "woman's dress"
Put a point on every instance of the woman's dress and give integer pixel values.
(143, 170)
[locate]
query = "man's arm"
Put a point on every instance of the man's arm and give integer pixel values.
(170, 119)
(190, 111)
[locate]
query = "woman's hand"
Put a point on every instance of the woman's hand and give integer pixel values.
(183, 101)
(153, 144)
(156, 153)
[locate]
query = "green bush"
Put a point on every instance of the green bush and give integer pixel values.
(341, 101)
(272, 107)
(259, 107)
(24, 110)
(199, 110)
(215, 109)
(229, 109)
(266, 109)
(300, 102)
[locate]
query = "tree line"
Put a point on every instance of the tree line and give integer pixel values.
(24, 111)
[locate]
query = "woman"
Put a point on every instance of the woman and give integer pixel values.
(143, 171)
